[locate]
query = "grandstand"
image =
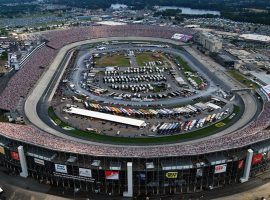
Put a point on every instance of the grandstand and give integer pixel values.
(94, 167)
(24, 79)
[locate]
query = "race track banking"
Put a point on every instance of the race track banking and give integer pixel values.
(41, 95)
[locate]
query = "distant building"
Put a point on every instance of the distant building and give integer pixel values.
(256, 37)
(96, 18)
(262, 77)
(225, 60)
(13, 61)
(210, 42)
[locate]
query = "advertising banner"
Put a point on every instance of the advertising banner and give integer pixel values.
(39, 161)
(2, 150)
(142, 176)
(220, 168)
(80, 178)
(171, 175)
(240, 164)
(268, 155)
(14, 155)
(199, 172)
(61, 168)
(256, 159)
(112, 175)
(85, 172)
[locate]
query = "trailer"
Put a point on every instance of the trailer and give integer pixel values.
(208, 118)
(217, 116)
(86, 104)
(198, 123)
(187, 125)
(221, 115)
(214, 106)
(212, 117)
(202, 122)
(192, 124)
(192, 108)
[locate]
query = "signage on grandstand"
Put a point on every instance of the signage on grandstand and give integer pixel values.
(61, 168)
(85, 172)
(256, 159)
(81, 178)
(199, 172)
(2, 150)
(142, 176)
(268, 155)
(171, 175)
(240, 164)
(220, 168)
(14, 155)
(112, 175)
(181, 37)
(39, 161)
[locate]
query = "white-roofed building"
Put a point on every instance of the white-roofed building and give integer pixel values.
(107, 117)
(210, 42)
(256, 37)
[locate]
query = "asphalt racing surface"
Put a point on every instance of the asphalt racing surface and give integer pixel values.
(43, 92)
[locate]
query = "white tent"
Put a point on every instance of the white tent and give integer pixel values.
(107, 117)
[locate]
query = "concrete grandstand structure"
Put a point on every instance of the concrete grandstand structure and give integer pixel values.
(45, 153)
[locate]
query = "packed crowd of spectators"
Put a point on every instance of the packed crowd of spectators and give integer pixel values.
(251, 134)
(61, 38)
(20, 84)
(25, 78)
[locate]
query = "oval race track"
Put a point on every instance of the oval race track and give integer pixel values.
(40, 93)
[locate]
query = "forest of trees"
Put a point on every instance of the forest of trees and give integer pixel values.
(200, 4)
(230, 9)
(245, 15)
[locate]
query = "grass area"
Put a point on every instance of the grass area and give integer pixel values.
(126, 140)
(3, 118)
(3, 32)
(2, 67)
(48, 23)
(113, 60)
(158, 89)
(4, 56)
(197, 80)
(55, 118)
(186, 68)
(239, 77)
(184, 65)
(144, 57)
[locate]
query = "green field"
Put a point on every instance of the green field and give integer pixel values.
(239, 77)
(154, 140)
(184, 65)
(144, 57)
(113, 60)
(186, 68)
(3, 118)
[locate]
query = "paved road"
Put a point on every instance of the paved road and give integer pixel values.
(38, 93)
(249, 101)
(18, 188)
